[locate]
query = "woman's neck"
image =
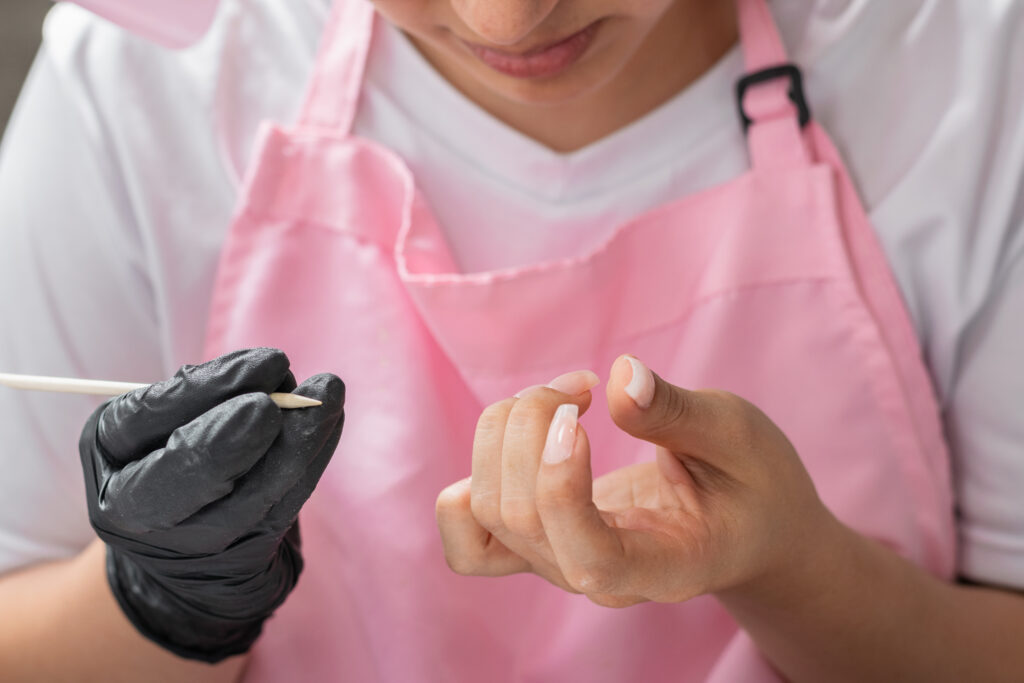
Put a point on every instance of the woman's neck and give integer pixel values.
(687, 41)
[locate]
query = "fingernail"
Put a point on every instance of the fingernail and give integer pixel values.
(527, 390)
(575, 383)
(561, 434)
(641, 387)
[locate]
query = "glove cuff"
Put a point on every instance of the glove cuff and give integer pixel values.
(172, 622)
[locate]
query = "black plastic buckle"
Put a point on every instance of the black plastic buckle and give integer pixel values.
(796, 91)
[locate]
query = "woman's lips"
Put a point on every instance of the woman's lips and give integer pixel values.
(541, 62)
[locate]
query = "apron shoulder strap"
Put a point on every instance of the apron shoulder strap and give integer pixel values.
(333, 95)
(762, 45)
(770, 97)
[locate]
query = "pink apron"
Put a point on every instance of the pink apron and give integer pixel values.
(772, 286)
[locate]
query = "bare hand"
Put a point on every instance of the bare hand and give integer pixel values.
(726, 504)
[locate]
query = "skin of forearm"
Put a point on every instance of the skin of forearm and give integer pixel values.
(60, 622)
(855, 611)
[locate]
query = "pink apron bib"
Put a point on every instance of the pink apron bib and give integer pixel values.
(771, 286)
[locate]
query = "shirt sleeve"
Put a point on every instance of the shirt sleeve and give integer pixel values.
(985, 416)
(984, 400)
(75, 299)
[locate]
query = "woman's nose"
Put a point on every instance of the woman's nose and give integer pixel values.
(503, 22)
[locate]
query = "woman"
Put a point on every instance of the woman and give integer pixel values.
(632, 227)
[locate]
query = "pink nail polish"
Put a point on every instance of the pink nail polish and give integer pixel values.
(561, 434)
(641, 387)
(575, 383)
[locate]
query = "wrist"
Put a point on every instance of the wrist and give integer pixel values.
(815, 560)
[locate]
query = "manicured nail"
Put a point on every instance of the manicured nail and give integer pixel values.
(528, 390)
(561, 434)
(575, 383)
(641, 387)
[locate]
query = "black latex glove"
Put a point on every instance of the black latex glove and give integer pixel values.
(195, 485)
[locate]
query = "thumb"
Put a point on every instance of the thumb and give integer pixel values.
(647, 407)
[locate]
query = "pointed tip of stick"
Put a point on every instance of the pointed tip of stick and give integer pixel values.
(293, 401)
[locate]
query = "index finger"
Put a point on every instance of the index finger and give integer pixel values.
(613, 564)
(588, 551)
(139, 422)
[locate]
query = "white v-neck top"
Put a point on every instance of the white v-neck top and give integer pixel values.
(120, 170)
(504, 199)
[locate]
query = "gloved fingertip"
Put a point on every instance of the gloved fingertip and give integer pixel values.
(258, 406)
(325, 387)
(254, 413)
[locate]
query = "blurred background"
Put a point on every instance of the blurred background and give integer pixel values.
(21, 23)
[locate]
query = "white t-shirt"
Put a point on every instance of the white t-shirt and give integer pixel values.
(121, 164)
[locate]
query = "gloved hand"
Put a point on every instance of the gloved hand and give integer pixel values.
(195, 485)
